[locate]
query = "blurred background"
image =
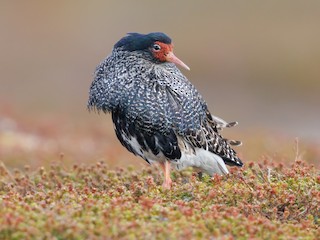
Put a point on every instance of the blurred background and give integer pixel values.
(256, 62)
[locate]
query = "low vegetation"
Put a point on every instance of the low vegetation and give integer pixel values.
(260, 201)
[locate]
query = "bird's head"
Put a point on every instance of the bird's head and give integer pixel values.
(158, 45)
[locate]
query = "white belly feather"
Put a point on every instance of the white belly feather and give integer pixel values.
(202, 159)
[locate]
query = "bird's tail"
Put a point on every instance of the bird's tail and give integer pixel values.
(221, 124)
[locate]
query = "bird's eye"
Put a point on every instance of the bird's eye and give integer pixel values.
(156, 47)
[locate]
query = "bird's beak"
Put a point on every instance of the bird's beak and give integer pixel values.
(172, 58)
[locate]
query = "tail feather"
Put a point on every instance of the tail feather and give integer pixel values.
(220, 123)
(232, 124)
(233, 142)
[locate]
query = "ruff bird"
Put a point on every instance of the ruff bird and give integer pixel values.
(157, 113)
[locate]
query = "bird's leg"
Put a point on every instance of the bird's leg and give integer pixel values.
(166, 169)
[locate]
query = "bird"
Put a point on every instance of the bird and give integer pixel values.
(156, 111)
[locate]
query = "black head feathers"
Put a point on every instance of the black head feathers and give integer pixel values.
(138, 41)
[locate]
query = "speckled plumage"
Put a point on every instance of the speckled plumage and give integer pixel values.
(158, 114)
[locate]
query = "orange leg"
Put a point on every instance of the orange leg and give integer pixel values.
(166, 169)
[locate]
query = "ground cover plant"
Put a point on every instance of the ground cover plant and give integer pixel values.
(260, 201)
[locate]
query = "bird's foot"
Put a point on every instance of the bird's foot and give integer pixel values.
(167, 180)
(167, 183)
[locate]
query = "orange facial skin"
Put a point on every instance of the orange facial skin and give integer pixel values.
(161, 55)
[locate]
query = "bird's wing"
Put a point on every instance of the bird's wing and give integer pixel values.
(191, 119)
(153, 124)
(209, 138)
